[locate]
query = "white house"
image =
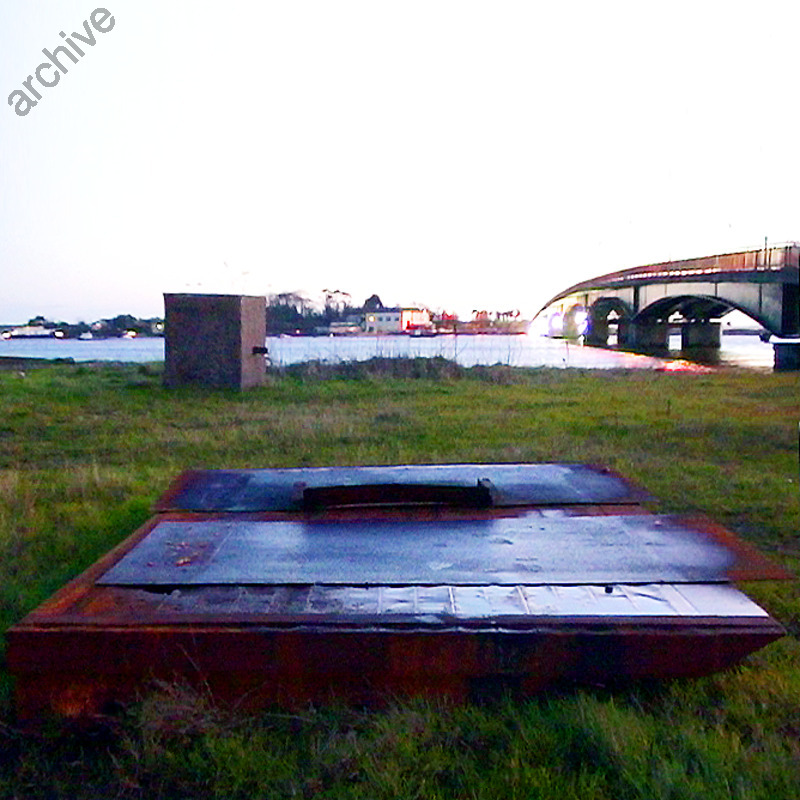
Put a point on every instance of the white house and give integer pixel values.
(396, 320)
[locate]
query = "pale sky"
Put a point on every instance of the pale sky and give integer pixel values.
(456, 154)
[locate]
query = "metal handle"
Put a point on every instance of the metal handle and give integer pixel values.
(399, 494)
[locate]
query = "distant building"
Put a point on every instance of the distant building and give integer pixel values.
(32, 332)
(346, 327)
(397, 320)
(384, 320)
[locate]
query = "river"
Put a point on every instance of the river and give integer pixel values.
(516, 351)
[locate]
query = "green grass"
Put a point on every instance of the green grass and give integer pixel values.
(85, 450)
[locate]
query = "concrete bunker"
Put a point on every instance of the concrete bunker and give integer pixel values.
(214, 340)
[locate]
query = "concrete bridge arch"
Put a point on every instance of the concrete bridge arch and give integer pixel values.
(605, 312)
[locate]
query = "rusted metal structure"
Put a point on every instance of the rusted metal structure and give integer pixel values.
(288, 586)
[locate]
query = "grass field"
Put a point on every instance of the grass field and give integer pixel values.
(85, 450)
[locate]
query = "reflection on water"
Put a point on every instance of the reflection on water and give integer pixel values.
(129, 350)
(516, 351)
(736, 350)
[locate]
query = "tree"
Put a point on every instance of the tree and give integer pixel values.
(337, 304)
(286, 313)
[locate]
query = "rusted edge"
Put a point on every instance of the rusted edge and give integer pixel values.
(76, 589)
(357, 623)
(638, 493)
(313, 625)
(750, 563)
(176, 487)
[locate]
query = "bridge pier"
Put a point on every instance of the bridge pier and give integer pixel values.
(787, 355)
(597, 334)
(647, 335)
(701, 334)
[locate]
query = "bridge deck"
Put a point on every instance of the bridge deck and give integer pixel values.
(779, 259)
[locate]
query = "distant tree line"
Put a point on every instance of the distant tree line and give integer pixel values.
(293, 312)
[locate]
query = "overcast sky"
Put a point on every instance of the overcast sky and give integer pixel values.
(454, 154)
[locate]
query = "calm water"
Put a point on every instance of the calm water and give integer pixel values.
(515, 351)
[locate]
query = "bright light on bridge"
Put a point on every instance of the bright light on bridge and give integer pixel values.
(554, 324)
(581, 318)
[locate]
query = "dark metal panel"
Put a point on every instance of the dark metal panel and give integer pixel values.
(526, 549)
(304, 489)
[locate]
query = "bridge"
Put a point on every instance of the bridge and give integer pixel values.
(642, 304)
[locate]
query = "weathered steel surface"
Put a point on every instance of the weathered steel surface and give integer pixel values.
(431, 604)
(517, 550)
(426, 597)
(80, 670)
(498, 485)
(434, 606)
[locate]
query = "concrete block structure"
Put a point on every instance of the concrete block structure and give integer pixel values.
(214, 340)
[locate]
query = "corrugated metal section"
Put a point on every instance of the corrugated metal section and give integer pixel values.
(446, 604)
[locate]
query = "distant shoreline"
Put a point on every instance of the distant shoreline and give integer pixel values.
(27, 362)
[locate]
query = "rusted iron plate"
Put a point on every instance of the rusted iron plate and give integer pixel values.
(469, 485)
(526, 549)
(77, 670)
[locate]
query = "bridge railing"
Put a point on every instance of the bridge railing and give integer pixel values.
(771, 258)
